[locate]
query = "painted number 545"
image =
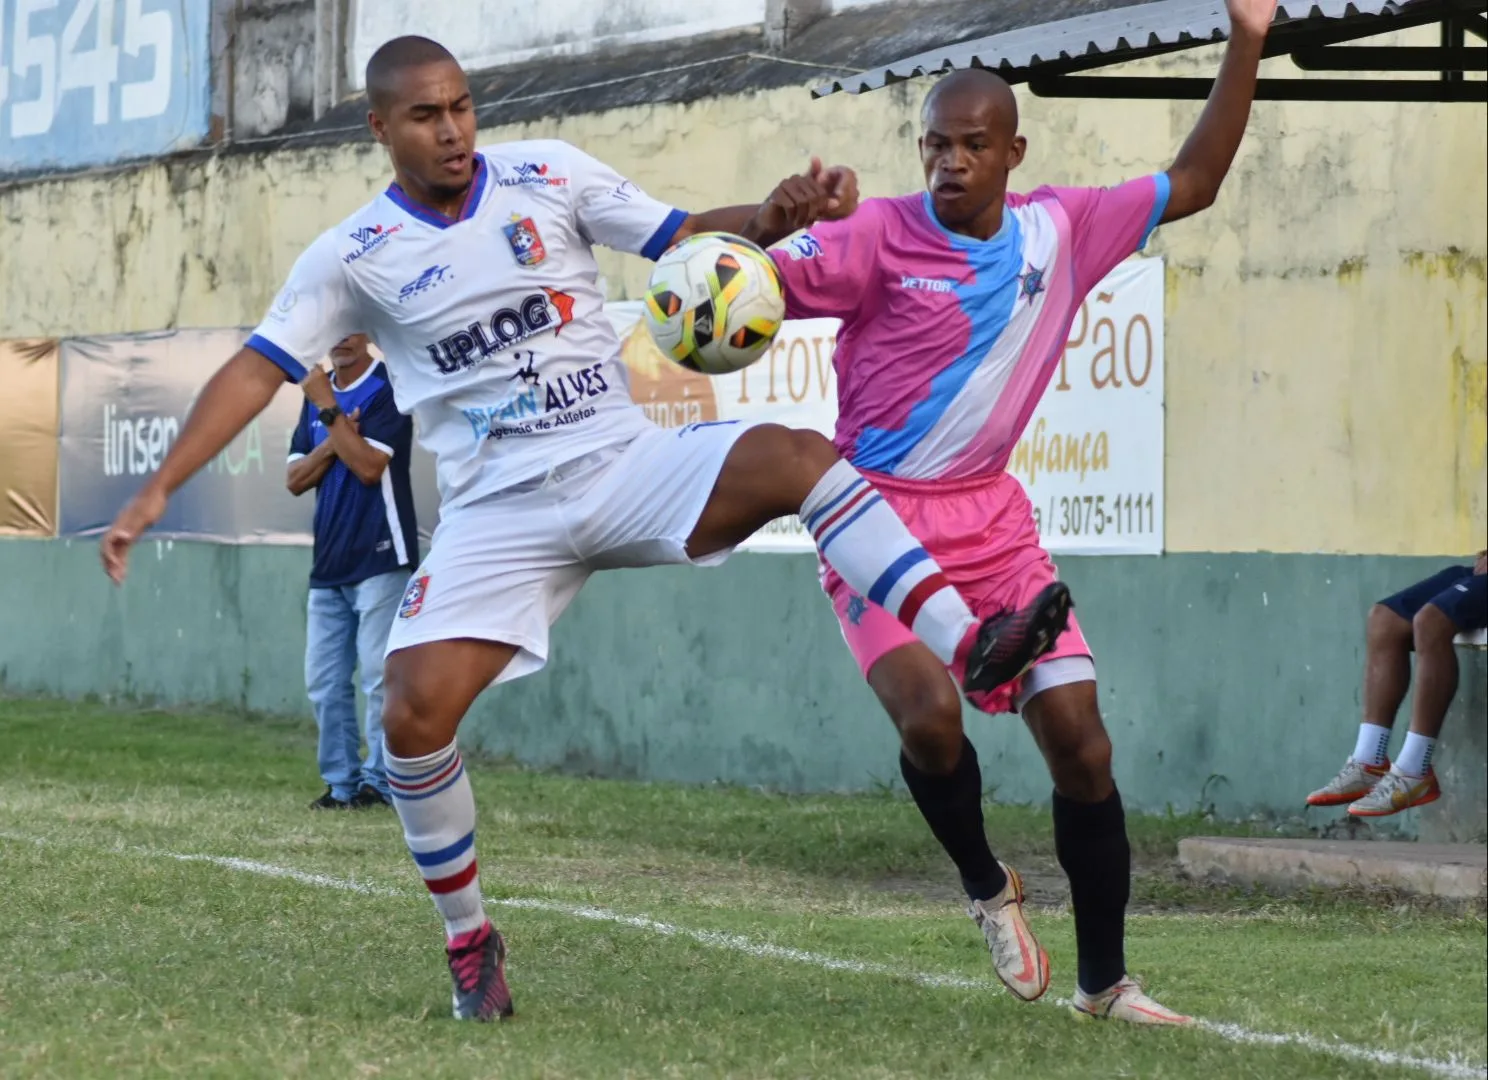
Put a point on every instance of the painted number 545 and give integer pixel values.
(70, 64)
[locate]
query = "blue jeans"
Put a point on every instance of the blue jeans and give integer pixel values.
(347, 628)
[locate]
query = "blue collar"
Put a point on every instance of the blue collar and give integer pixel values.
(472, 201)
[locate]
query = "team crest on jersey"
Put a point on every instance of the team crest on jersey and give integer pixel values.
(413, 597)
(526, 242)
(1033, 282)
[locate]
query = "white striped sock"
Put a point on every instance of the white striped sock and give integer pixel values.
(861, 537)
(433, 798)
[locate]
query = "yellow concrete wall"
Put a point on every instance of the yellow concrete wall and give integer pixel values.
(1326, 321)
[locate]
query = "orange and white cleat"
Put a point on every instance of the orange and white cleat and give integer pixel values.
(1397, 792)
(1125, 1001)
(1017, 957)
(1354, 781)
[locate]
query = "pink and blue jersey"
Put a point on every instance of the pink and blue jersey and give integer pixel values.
(947, 342)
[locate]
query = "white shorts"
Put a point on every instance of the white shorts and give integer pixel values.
(504, 568)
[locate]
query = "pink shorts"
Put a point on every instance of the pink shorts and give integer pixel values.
(982, 534)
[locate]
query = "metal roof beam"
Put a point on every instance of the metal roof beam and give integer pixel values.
(1125, 33)
(1391, 58)
(1284, 40)
(1165, 89)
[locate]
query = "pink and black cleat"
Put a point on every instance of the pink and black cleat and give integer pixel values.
(477, 963)
(1007, 645)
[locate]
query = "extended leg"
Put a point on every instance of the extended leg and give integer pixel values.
(773, 471)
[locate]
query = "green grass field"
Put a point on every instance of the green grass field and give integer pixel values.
(172, 909)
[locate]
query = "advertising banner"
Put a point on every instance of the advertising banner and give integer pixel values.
(28, 438)
(90, 82)
(124, 400)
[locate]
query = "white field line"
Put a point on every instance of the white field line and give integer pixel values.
(1454, 1068)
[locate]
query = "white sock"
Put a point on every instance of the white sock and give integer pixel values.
(1415, 755)
(1373, 744)
(433, 798)
(861, 537)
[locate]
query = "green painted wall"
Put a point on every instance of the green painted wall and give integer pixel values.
(1226, 679)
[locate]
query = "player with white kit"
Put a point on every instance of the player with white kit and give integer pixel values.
(956, 304)
(474, 274)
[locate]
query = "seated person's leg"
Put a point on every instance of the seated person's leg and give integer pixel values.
(1460, 607)
(1412, 781)
(1388, 640)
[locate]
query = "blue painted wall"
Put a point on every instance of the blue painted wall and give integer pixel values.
(1227, 680)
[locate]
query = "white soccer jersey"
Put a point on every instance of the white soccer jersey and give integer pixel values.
(492, 322)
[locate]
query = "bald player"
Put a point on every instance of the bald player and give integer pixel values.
(955, 307)
(474, 271)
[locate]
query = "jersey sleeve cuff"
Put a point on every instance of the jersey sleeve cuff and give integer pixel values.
(375, 445)
(1159, 207)
(273, 353)
(661, 239)
(293, 458)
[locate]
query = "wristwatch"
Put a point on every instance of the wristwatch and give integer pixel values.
(329, 413)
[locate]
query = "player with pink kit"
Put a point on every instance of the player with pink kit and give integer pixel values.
(955, 306)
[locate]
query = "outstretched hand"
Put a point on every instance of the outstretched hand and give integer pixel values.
(142, 511)
(800, 201)
(1252, 16)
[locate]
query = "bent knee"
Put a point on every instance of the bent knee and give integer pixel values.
(808, 455)
(1432, 627)
(413, 724)
(1082, 769)
(1387, 626)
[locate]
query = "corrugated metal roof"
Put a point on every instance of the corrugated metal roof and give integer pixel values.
(1117, 34)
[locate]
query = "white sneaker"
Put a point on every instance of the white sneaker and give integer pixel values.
(1125, 1001)
(1017, 957)
(1354, 781)
(1397, 792)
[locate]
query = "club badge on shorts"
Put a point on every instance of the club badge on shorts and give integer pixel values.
(526, 243)
(413, 597)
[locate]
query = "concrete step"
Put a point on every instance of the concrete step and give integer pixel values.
(1451, 871)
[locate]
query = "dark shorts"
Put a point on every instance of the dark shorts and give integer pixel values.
(1457, 591)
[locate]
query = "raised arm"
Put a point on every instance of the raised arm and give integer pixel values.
(241, 389)
(797, 202)
(612, 211)
(1201, 166)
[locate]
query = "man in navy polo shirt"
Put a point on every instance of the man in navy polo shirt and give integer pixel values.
(352, 446)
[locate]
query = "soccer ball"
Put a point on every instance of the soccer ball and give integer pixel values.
(714, 303)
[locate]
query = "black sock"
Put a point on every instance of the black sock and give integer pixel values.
(952, 805)
(1090, 840)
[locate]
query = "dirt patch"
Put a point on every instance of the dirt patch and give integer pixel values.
(1044, 884)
